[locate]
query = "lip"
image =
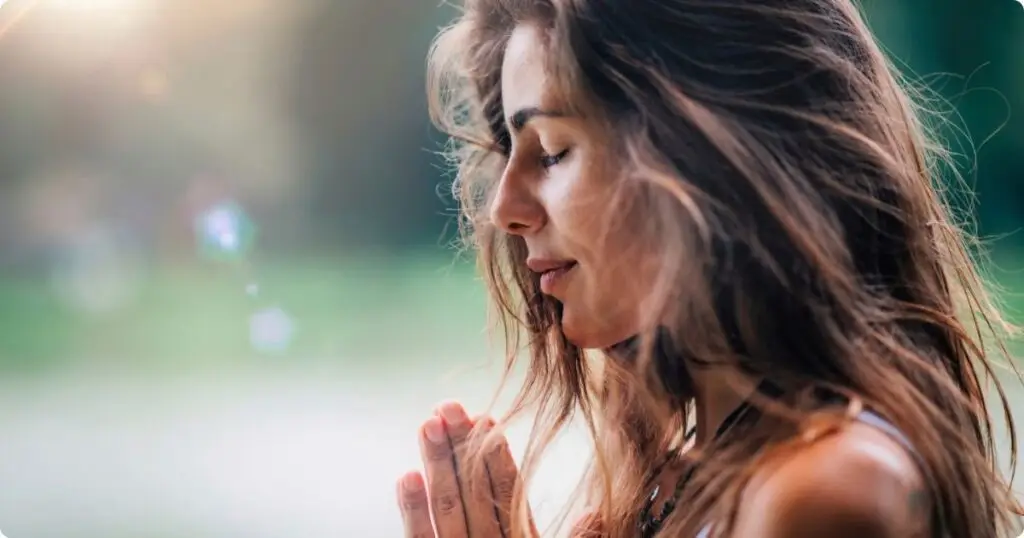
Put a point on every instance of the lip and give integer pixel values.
(552, 272)
(543, 265)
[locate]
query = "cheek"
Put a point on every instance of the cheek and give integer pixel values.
(580, 200)
(601, 305)
(596, 314)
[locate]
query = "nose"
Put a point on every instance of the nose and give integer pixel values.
(516, 208)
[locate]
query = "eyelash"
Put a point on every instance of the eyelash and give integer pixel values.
(547, 161)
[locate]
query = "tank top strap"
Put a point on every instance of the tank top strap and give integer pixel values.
(876, 421)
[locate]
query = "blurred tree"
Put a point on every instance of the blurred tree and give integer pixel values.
(314, 114)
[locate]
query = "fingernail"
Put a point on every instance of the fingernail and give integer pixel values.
(454, 414)
(434, 431)
(412, 483)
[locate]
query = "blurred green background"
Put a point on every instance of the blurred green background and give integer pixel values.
(227, 289)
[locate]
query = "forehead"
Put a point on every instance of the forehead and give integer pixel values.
(523, 78)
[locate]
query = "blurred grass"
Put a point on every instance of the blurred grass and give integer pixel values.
(366, 320)
(352, 312)
(369, 313)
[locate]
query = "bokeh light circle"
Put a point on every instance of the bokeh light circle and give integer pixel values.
(226, 234)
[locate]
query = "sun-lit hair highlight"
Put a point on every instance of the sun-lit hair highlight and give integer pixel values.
(786, 172)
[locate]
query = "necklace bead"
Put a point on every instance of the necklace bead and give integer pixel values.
(648, 524)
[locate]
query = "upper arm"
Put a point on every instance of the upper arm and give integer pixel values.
(857, 482)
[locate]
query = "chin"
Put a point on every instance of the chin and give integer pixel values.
(587, 333)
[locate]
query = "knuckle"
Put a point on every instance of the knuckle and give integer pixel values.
(477, 484)
(412, 503)
(500, 445)
(447, 502)
(504, 488)
(437, 453)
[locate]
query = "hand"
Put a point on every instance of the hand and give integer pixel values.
(465, 500)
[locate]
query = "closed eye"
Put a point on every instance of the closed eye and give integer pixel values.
(547, 161)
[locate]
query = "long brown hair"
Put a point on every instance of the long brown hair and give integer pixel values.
(777, 159)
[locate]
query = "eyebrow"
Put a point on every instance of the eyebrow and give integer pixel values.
(522, 116)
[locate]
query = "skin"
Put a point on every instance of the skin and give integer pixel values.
(556, 207)
(447, 504)
(853, 483)
(857, 482)
(558, 181)
(554, 195)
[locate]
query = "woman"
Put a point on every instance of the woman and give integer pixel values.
(715, 226)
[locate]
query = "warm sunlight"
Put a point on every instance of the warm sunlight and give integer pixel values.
(91, 6)
(250, 249)
(96, 15)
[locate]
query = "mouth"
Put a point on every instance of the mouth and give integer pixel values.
(552, 279)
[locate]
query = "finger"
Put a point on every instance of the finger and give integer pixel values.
(477, 495)
(504, 477)
(442, 483)
(477, 498)
(412, 500)
(457, 422)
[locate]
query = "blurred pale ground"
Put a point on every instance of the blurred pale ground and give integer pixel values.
(262, 449)
(267, 448)
(302, 454)
(226, 295)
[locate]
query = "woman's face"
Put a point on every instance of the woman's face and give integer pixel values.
(557, 193)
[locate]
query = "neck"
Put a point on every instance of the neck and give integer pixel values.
(718, 391)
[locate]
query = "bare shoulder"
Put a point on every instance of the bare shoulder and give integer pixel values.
(855, 482)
